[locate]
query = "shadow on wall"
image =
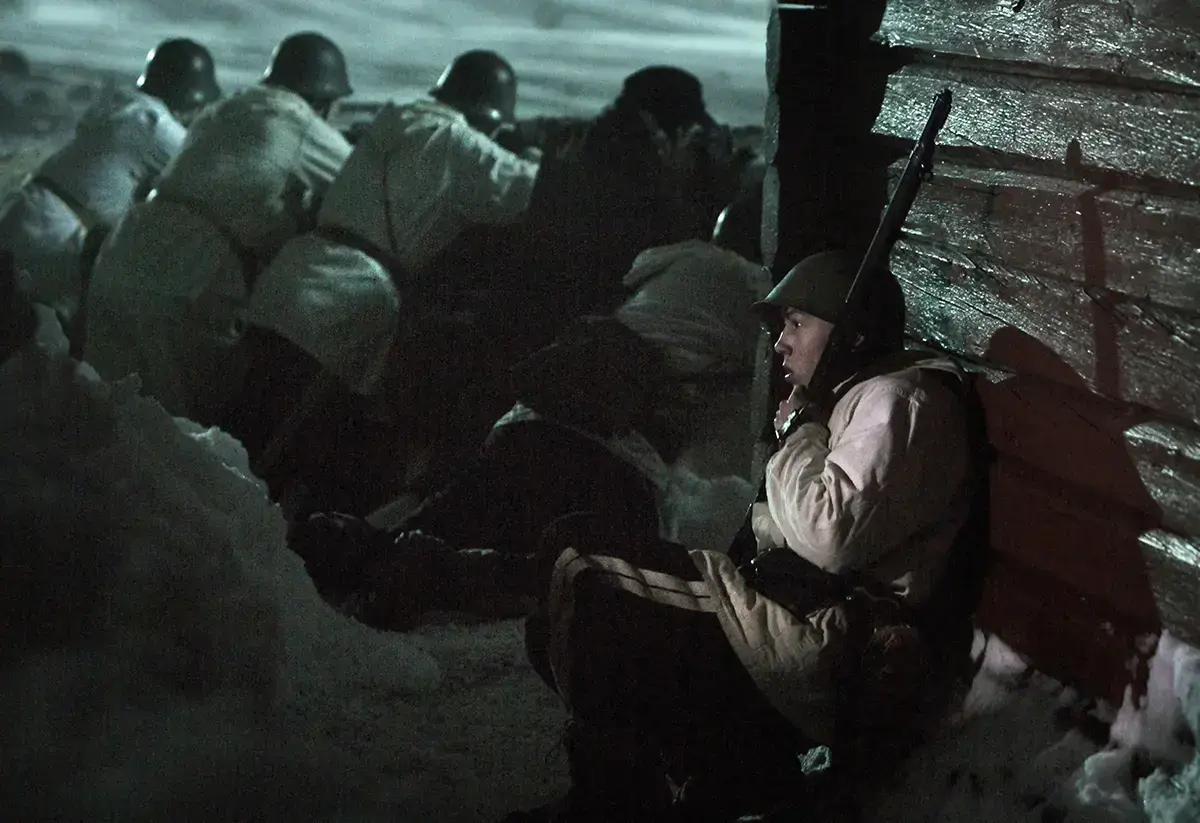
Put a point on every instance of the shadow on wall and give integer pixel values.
(1070, 588)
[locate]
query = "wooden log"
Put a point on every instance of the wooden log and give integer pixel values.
(1117, 452)
(1157, 41)
(1173, 565)
(1066, 634)
(1138, 244)
(1145, 135)
(1168, 459)
(1032, 324)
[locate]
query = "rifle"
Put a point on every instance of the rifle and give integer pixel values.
(918, 169)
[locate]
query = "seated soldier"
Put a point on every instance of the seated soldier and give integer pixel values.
(603, 416)
(681, 669)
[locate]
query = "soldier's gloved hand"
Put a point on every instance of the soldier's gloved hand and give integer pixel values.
(411, 577)
(336, 548)
(799, 408)
(789, 409)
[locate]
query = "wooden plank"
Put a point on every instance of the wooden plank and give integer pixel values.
(1126, 349)
(1168, 459)
(1146, 135)
(1137, 244)
(1157, 41)
(1081, 539)
(1066, 634)
(1114, 451)
(1173, 565)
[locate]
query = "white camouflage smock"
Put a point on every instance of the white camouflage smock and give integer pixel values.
(169, 289)
(120, 145)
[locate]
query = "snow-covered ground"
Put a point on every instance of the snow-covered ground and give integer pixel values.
(166, 658)
(570, 55)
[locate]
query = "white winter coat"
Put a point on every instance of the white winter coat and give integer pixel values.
(414, 182)
(120, 145)
(169, 290)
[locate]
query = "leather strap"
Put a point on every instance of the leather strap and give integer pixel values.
(86, 217)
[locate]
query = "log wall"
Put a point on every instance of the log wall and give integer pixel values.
(1055, 252)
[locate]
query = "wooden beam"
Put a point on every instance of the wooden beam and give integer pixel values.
(1033, 324)
(1138, 244)
(1157, 41)
(1168, 459)
(1147, 135)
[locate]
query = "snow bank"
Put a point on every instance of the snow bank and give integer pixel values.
(1001, 757)
(167, 658)
(1024, 748)
(1156, 731)
(1171, 726)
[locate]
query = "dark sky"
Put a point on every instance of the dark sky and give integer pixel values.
(571, 54)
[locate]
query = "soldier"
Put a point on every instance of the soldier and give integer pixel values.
(57, 220)
(421, 173)
(171, 282)
(681, 665)
(640, 179)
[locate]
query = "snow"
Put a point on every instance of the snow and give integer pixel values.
(1014, 753)
(167, 658)
(1172, 793)
(172, 660)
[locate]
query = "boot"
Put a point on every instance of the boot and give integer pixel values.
(336, 549)
(421, 574)
(617, 776)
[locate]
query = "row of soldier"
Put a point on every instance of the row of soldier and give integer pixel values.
(258, 241)
(526, 341)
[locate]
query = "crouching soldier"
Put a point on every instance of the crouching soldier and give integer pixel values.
(172, 281)
(57, 220)
(341, 301)
(692, 683)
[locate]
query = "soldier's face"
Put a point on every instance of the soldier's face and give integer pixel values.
(800, 345)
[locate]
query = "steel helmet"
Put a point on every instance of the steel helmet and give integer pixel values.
(311, 65)
(819, 284)
(739, 226)
(477, 81)
(674, 97)
(180, 73)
